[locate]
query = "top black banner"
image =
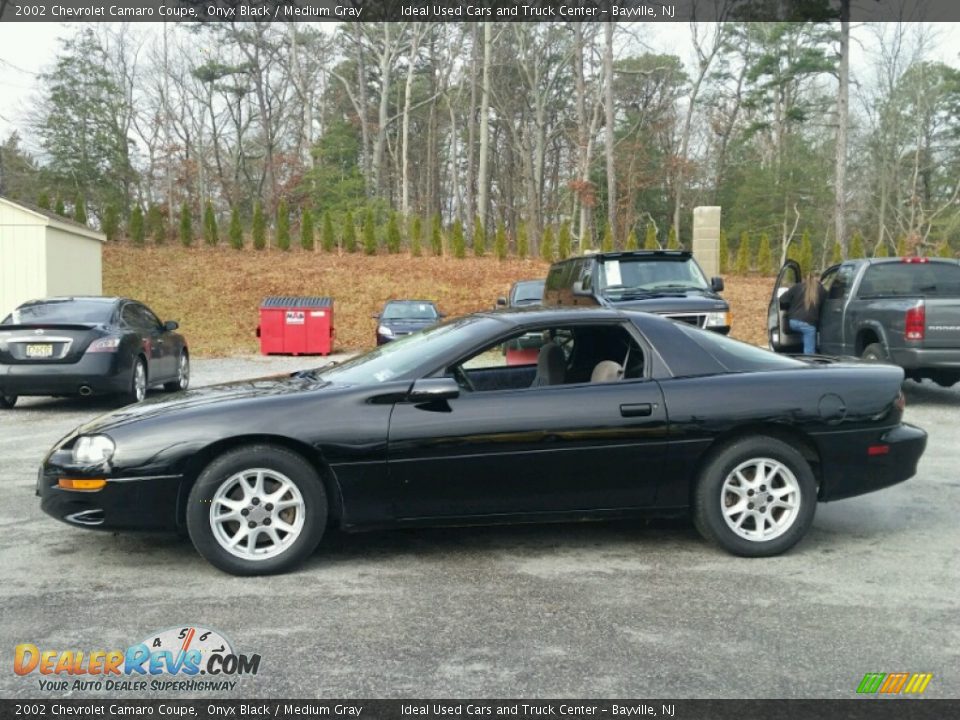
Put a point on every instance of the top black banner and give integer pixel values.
(477, 10)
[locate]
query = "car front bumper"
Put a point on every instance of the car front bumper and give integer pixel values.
(861, 463)
(102, 373)
(926, 359)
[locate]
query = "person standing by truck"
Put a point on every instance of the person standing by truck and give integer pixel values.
(802, 303)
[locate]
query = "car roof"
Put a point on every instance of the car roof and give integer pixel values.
(409, 302)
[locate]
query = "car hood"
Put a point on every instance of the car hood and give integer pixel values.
(197, 399)
(408, 325)
(686, 301)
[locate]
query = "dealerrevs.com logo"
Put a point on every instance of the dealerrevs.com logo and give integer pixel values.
(185, 659)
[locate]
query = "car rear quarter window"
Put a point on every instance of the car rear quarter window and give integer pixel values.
(930, 279)
(735, 356)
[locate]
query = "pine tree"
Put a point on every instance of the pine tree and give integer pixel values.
(944, 250)
(806, 253)
(394, 240)
(328, 240)
(259, 227)
(500, 242)
(136, 230)
(563, 242)
(606, 244)
(837, 257)
(724, 252)
(110, 224)
(43, 201)
(856, 246)
(546, 245)
(880, 250)
(523, 243)
(416, 236)
(632, 242)
(479, 238)
(650, 238)
(211, 234)
(764, 256)
(59, 209)
(306, 229)
(436, 235)
(457, 241)
(79, 210)
(186, 226)
(283, 225)
(369, 233)
(236, 229)
(672, 243)
(902, 246)
(744, 253)
(349, 233)
(156, 225)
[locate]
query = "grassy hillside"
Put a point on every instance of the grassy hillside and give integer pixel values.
(215, 293)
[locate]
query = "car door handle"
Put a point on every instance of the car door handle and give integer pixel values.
(636, 410)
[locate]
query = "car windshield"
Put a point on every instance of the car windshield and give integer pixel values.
(61, 311)
(410, 311)
(736, 356)
(399, 357)
(622, 276)
(528, 291)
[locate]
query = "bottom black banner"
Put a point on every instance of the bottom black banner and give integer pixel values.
(865, 709)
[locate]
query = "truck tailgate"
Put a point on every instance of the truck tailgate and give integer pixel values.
(942, 322)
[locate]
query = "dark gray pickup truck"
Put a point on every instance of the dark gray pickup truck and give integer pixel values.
(904, 311)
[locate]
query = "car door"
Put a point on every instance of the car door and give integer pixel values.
(156, 347)
(836, 336)
(556, 448)
(779, 335)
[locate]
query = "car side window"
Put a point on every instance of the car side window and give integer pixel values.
(838, 287)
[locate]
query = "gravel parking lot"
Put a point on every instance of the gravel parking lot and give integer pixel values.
(596, 610)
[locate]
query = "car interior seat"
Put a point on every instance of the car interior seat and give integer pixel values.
(551, 365)
(606, 371)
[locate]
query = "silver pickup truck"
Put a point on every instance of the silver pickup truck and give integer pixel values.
(904, 311)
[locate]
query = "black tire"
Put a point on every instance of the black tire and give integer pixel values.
(7, 402)
(710, 498)
(133, 393)
(183, 374)
(221, 474)
(875, 352)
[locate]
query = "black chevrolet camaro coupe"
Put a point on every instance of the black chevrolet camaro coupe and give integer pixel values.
(89, 345)
(623, 413)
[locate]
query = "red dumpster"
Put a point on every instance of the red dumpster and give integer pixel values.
(296, 326)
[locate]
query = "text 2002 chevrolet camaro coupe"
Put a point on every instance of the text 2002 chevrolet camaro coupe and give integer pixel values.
(623, 413)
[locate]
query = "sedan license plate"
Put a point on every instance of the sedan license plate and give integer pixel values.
(40, 350)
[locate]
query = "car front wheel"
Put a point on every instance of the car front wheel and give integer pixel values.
(183, 375)
(257, 510)
(8, 401)
(756, 497)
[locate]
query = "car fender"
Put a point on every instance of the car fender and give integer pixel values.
(870, 326)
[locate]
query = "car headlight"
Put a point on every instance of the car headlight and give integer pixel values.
(718, 319)
(93, 449)
(384, 330)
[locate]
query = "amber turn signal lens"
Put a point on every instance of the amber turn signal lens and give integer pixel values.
(81, 484)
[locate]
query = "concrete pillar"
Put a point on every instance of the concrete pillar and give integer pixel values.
(706, 238)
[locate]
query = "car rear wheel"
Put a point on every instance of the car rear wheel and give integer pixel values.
(874, 352)
(257, 510)
(8, 401)
(183, 375)
(138, 382)
(755, 497)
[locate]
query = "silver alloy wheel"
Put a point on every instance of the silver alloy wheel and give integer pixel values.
(183, 374)
(760, 499)
(140, 381)
(257, 514)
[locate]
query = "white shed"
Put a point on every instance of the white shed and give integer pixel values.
(43, 254)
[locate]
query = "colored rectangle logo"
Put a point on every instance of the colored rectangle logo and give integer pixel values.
(898, 683)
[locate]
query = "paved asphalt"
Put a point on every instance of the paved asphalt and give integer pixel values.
(594, 610)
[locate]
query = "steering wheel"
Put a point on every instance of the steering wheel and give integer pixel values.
(463, 380)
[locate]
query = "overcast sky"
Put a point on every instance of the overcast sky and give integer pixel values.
(27, 49)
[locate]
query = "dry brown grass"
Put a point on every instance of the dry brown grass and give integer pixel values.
(215, 293)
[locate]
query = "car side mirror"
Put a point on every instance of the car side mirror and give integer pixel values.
(579, 290)
(716, 284)
(441, 315)
(433, 389)
(502, 301)
(171, 325)
(374, 317)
